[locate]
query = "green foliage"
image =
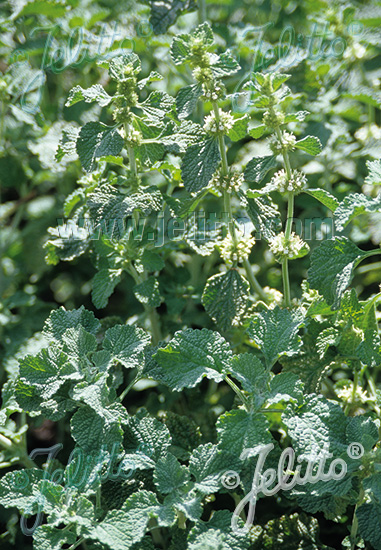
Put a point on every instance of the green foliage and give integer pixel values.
(203, 216)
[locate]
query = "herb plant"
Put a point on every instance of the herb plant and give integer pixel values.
(203, 207)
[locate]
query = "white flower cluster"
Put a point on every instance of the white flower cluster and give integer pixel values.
(356, 51)
(368, 132)
(135, 137)
(280, 182)
(231, 182)
(274, 296)
(225, 123)
(346, 394)
(236, 251)
(292, 248)
(212, 95)
(288, 143)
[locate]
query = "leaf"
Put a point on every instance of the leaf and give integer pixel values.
(257, 131)
(264, 215)
(310, 145)
(369, 514)
(104, 283)
(374, 176)
(180, 48)
(217, 534)
(181, 136)
(332, 268)
(324, 197)
(60, 320)
(120, 529)
(165, 13)
(239, 430)
(317, 426)
(365, 95)
(156, 106)
(258, 167)
(152, 77)
(316, 423)
(170, 474)
(225, 298)
(126, 344)
(68, 241)
(352, 206)
(47, 537)
(251, 374)
(276, 333)
(19, 489)
(295, 531)
(296, 117)
(109, 208)
(97, 140)
(118, 65)
(186, 100)
(91, 431)
(224, 64)
(199, 164)
(192, 355)
(147, 438)
(148, 292)
(363, 430)
(207, 464)
(151, 261)
(67, 143)
(369, 519)
(307, 365)
(46, 371)
(43, 7)
(239, 129)
(95, 93)
(285, 386)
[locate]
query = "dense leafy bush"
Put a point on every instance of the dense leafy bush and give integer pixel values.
(187, 193)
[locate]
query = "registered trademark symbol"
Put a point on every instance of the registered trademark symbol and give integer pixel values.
(355, 450)
(230, 479)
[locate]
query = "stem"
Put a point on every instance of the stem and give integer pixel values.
(155, 531)
(201, 11)
(228, 208)
(130, 152)
(354, 389)
(253, 281)
(98, 504)
(130, 385)
(20, 454)
(373, 392)
(240, 394)
(76, 544)
(155, 325)
(355, 522)
(290, 215)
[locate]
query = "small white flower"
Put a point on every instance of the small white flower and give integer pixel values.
(236, 251)
(292, 248)
(232, 182)
(368, 132)
(225, 123)
(288, 143)
(279, 182)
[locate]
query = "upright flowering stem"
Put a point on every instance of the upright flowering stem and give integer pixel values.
(150, 311)
(290, 215)
(228, 207)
